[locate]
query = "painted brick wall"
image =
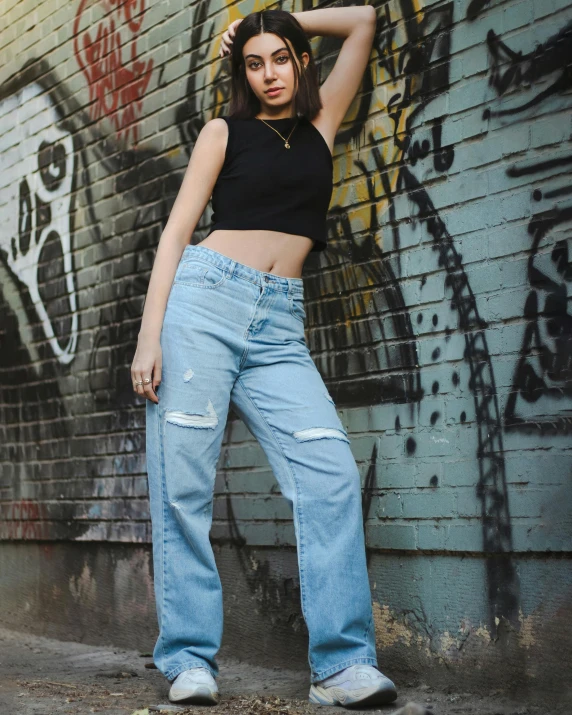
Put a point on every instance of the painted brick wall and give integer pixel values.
(440, 317)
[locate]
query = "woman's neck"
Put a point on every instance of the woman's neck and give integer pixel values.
(273, 119)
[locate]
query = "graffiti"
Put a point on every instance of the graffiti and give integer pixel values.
(39, 166)
(144, 182)
(476, 7)
(106, 51)
(492, 485)
(427, 55)
(44, 197)
(118, 327)
(25, 519)
(543, 375)
(189, 116)
(491, 488)
(511, 70)
(544, 371)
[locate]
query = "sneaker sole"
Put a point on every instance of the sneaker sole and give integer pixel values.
(376, 695)
(201, 695)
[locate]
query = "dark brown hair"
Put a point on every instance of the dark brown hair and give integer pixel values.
(244, 104)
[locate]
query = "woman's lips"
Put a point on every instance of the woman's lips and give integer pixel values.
(273, 92)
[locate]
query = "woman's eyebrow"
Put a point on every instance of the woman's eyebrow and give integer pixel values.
(281, 49)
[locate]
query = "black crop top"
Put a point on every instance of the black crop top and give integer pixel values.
(264, 185)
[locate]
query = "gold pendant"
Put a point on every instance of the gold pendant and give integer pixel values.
(287, 145)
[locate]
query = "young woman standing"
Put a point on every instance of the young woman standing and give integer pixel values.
(223, 324)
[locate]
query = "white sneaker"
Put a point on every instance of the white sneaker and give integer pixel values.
(360, 683)
(195, 685)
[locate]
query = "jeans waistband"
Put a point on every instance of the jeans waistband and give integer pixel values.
(241, 270)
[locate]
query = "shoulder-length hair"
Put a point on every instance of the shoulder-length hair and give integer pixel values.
(243, 102)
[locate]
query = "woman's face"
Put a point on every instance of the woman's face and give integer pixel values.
(268, 65)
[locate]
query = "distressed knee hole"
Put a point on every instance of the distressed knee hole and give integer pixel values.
(320, 433)
(189, 419)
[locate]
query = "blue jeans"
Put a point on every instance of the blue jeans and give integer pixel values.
(234, 334)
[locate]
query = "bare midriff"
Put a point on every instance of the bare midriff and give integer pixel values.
(270, 251)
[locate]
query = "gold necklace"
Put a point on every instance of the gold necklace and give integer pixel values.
(286, 143)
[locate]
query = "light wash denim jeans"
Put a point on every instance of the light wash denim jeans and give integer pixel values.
(235, 335)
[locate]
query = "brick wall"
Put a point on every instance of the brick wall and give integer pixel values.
(439, 317)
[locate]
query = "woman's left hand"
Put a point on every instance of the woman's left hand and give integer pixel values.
(227, 38)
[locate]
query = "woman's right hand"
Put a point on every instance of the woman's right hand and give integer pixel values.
(146, 368)
(228, 37)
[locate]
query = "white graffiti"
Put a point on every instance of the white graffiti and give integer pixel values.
(36, 194)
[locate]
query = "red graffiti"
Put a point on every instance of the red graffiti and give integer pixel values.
(106, 51)
(26, 519)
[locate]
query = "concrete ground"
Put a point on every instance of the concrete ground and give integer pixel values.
(41, 676)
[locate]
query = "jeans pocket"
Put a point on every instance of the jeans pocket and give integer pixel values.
(297, 307)
(199, 275)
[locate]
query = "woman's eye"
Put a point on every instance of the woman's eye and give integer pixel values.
(254, 65)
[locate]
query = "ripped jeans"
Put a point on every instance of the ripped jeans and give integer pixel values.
(234, 334)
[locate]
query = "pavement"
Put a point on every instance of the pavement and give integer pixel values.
(43, 676)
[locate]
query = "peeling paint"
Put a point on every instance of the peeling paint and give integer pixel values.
(448, 642)
(482, 632)
(388, 631)
(526, 634)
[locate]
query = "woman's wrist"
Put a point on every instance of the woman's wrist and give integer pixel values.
(149, 335)
(334, 21)
(300, 16)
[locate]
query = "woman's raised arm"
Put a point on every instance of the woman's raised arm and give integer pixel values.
(357, 25)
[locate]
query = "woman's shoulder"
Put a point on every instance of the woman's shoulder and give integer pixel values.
(215, 130)
(226, 118)
(218, 121)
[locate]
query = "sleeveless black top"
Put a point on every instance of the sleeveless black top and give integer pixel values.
(264, 185)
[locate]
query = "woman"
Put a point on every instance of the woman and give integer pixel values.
(223, 324)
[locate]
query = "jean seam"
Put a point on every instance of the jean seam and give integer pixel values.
(163, 525)
(187, 666)
(291, 308)
(245, 335)
(298, 513)
(202, 286)
(344, 664)
(368, 626)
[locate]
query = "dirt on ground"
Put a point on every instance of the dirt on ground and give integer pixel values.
(42, 676)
